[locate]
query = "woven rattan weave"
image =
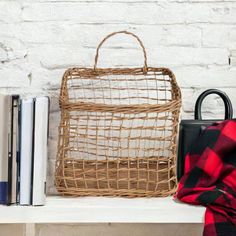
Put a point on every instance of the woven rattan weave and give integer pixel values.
(117, 135)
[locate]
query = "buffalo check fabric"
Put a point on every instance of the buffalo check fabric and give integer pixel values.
(210, 178)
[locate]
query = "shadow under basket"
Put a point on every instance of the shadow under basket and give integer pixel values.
(117, 135)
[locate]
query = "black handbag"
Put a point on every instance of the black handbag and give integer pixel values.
(189, 130)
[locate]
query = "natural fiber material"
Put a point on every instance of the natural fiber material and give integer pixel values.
(117, 135)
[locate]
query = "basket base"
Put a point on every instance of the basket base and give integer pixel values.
(113, 193)
(138, 178)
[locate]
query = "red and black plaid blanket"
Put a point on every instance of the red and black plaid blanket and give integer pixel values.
(210, 178)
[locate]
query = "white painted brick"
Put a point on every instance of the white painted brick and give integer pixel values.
(112, 1)
(61, 57)
(13, 77)
(77, 35)
(232, 38)
(3, 54)
(177, 35)
(80, 35)
(12, 49)
(209, 1)
(140, 13)
(52, 57)
(52, 142)
(220, 36)
(203, 77)
(82, 12)
(9, 30)
(10, 11)
(233, 58)
(50, 177)
(171, 56)
(231, 91)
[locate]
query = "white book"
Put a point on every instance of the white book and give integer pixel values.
(41, 113)
(26, 139)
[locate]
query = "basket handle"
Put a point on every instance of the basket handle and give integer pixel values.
(145, 68)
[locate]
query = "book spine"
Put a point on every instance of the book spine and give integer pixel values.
(18, 153)
(26, 140)
(10, 151)
(4, 107)
(13, 151)
(33, 150)
(40, 150)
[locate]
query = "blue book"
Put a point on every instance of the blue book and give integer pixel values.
(3, 192)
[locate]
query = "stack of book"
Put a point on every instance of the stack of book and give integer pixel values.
(23, 149)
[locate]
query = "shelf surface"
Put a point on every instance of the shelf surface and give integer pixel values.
(104, 210)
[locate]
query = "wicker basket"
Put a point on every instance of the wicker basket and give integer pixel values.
(117, 135)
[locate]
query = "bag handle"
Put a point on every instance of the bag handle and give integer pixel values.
(225, 98)
(122, 32)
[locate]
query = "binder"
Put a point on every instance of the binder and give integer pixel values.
(39, 163)
(26, 154)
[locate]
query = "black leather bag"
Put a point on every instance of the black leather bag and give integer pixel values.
(189, 130)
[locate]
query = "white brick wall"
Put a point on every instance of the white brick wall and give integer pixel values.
(39, 39)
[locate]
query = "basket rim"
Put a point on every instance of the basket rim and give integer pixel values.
(64, 102)
(117, 70)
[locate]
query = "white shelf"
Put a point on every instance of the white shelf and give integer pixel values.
(104, 210)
